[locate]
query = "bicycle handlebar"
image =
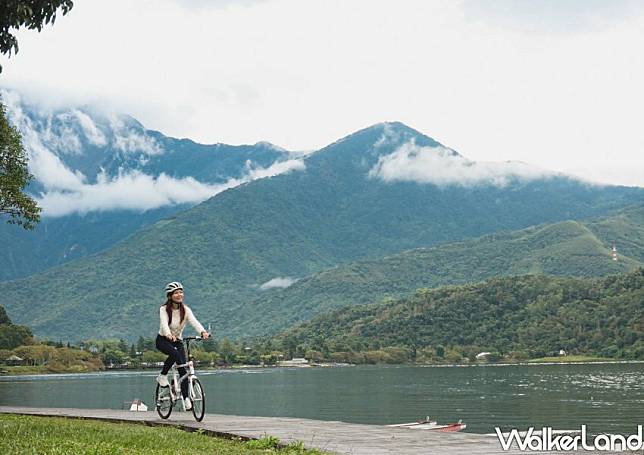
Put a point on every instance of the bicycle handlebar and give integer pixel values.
(187, 341)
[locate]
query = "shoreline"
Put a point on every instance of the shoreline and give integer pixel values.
(8, 374)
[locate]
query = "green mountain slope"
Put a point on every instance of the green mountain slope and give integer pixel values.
(568, 248)
(295, 224)
(625, 231)
(58, 240)
(101, 147)
(533, 315)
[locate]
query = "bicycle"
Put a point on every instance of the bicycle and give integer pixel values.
(166, 397)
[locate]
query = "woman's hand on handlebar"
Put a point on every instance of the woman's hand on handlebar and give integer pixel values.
(205, 335)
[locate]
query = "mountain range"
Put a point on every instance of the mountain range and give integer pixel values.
(101, 176)
(377, 192)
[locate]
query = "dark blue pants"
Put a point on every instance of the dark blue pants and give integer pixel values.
(176, 354)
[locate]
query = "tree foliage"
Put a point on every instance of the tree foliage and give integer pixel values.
(14, 177)
(33, 14)
(4, 317)
(513, 317)
(12, 335)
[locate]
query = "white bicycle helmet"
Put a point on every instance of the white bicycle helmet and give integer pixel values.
(171, 287)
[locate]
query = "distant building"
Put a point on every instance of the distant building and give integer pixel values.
(295, 362)
(614, 252)
(13, 360)
(482, 355)
(562, 352)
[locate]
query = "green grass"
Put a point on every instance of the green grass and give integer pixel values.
(572, 359)
(42, 369)
(18, 370)
(57, 436)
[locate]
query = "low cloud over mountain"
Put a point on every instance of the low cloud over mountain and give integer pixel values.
(278, 282)
(138, 191)
(443, 166)
(54, 139)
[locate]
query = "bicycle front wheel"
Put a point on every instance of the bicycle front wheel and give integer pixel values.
(198, 400)
(163, 400)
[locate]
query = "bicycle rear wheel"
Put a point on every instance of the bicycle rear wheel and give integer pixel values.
(198, 400)
(163, 400)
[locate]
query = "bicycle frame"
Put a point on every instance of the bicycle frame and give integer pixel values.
(176, 392)
(164, 404)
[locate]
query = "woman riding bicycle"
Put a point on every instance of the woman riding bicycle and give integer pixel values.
(174, 314)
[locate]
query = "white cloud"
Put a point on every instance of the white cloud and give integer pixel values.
(130, 140)
(629, 173)
(280, 167)
(496, 80)
(62, 138)
(59, 130)
(551, 16)
(133, 191)
(442, 166)
(67, 191)
(138, 191)
(278, 282)
(93, 134)
(46, 167)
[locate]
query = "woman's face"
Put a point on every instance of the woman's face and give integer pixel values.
(177, 296)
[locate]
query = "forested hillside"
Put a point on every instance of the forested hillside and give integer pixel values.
(570, 248)
(517, 317)
(334, 210)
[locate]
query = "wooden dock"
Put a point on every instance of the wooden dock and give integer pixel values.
(338, 437)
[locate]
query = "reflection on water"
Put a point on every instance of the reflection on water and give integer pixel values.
(606, 397)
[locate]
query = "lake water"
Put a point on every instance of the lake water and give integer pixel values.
(606, 397)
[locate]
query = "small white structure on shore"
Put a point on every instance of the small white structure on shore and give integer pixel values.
(138, 405)
(295, 362)
(13, 360)
(482, 355)
(562, 352)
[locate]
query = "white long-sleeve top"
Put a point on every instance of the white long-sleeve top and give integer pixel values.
(176, 328)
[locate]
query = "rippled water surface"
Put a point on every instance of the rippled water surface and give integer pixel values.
(606, 397)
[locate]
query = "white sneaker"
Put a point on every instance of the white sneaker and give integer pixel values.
(162, 379)
(188, 404)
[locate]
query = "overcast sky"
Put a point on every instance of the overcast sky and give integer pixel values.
(553, 83)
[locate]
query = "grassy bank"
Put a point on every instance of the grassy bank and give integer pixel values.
(54, 435)
(45, 369)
